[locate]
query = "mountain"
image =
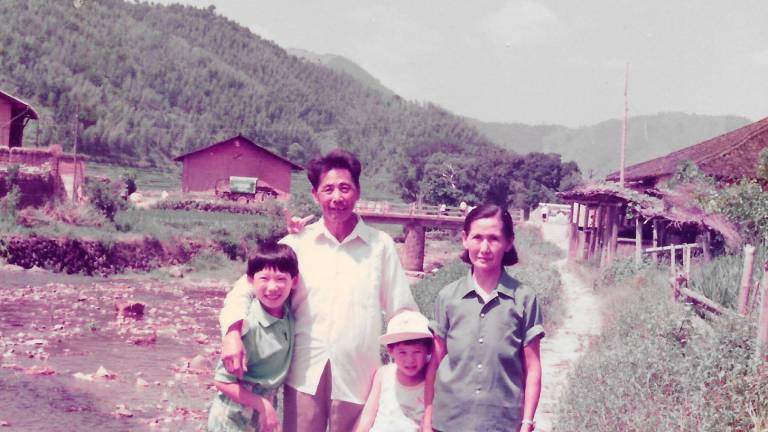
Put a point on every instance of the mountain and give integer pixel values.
(595, 148)
(343, 65)
(145, 83)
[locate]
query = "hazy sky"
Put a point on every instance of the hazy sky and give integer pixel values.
(558, 61)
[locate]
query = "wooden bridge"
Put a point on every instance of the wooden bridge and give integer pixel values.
(415, 217)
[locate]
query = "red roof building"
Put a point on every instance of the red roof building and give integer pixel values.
(727, 157)
(14, 115)
(237, 156)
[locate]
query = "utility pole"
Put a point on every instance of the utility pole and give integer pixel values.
(74, 151)
(625, 128)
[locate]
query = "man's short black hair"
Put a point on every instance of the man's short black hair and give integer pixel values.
(271, 255)
(335, 159)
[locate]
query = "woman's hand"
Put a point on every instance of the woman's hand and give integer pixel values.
(295, 224)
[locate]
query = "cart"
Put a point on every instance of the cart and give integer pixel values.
(243, 190)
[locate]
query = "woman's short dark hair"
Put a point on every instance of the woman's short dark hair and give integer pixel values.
(508, 229)
(272, 255)
(335, 159)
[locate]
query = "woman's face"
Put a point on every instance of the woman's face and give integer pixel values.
(486, 243)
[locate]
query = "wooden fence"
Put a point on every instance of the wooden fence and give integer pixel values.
(749, 293)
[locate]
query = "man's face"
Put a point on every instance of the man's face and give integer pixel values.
(336, 195)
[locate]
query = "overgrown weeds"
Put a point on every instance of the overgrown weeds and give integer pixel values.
(661, 367)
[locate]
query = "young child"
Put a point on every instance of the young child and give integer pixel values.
(396, 400)
(247, 403)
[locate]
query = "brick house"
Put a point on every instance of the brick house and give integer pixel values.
(236, 156)
(14, 115)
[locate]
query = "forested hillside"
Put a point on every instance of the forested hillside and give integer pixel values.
(151, 82)
(595, 148)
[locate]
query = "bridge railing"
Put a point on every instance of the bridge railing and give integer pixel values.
(413, 209)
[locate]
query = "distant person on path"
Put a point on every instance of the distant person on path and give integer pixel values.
(247, 401)
(486, 368)
(544, 212)
(396, 400)
(350, 273)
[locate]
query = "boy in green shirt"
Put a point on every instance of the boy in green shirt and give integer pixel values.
(247, 402)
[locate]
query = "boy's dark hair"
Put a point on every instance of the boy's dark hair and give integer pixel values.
(508, 229)
(426, 342)
(273, 256)
(335, 159)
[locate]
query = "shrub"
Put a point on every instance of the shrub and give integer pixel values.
(9, 207)
(104, 196)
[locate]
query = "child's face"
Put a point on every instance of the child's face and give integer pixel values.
(410, 358)
(272, 289)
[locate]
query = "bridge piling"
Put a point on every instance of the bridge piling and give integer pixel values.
(414, 247)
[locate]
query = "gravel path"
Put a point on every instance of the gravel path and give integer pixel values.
(582, 322)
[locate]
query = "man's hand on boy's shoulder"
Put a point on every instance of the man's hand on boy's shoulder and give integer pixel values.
(295, 224)
(233, 354)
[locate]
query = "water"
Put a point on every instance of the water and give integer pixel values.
(68, 326)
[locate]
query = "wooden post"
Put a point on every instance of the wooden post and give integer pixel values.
(746, 279)
(705, 243)
(614, 242)
(687, 261)
(672, 253)
(762, 322)
(638, 240)
(655, 238)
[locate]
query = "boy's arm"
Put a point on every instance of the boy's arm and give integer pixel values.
(532, 358)
(236, 304)
(371, 408)
(231, 317)
(268, 419)
(429, 382)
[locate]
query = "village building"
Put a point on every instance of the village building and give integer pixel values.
(43, 172)
(727, 157)
(609, 221)
(14, 116)
(210, 169)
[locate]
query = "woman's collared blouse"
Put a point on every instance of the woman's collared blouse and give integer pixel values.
(480, 382)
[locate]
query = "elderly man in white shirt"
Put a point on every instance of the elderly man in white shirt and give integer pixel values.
(349, 273)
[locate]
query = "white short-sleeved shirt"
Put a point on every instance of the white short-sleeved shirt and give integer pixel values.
(343, 289)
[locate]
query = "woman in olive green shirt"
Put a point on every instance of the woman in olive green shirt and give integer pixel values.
(487, 332)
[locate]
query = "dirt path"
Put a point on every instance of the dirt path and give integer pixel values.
(582, 322)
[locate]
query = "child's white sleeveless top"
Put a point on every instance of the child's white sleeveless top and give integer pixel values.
(401, 408)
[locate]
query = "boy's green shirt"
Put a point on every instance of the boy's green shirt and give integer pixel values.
(268, 343)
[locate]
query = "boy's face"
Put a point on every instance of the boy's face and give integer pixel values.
(410, 358)
(272, 289)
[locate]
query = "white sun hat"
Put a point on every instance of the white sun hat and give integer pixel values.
(406, 325)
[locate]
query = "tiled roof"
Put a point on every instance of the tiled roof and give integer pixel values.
(731, 155)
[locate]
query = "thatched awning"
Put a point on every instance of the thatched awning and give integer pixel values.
(676, 206)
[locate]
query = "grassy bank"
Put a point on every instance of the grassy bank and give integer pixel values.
(660, 366)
